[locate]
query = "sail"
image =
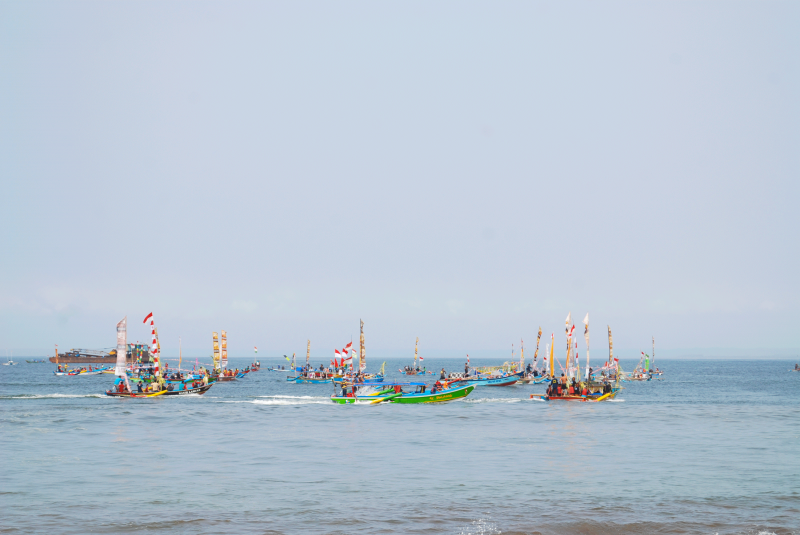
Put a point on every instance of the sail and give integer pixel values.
(216, 350)
(586, 337)
(646, 362)
(552, 345)
(610, 348)
(363, 356)
(223, 359)
(122, 351)
(308, 354)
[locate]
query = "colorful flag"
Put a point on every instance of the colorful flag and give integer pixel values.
(148, 317)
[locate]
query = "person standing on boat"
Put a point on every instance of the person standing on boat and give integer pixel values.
(443, 375)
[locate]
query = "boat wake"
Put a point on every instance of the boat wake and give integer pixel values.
(493, 400)
(51, 396)
(292, 400)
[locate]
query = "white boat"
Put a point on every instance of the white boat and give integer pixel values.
(9, 363)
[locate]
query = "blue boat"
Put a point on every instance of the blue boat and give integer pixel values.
(477, 380)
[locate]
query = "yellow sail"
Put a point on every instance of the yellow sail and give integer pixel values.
(552, 363)
(216, 350)
(416, 346)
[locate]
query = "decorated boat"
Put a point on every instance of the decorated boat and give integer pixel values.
(122, 386)
(415, 369)
(570, 386)
(394, 393)
(504, 379)
(115, 394)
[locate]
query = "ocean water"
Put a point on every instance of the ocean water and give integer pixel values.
(713, 447)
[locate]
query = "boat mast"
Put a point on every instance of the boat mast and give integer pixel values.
(536, 353)
(308, 354)
(362, 361)
(586, 336)
(610, 347)
(180, 353)
(569, 343)
(653, 363)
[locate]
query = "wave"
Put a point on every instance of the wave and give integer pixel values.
(49, 396)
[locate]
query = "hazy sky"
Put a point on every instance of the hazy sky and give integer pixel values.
(459, 171)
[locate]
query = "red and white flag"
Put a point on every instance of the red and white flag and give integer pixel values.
(148, 317)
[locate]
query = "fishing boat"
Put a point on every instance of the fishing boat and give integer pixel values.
(570, 387)
(9, 362)
(415, 369)
(594, 392)
(394, 393)
(506, 379)
(122, 387)
(202, 389)
(308, 375)
(35, 361)
(83, 371)
(135, 395)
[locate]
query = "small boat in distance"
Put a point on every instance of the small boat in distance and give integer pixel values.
(35, 361)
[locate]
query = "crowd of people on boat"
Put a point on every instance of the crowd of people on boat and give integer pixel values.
(570, 387)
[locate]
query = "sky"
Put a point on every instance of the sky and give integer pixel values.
(462, 172)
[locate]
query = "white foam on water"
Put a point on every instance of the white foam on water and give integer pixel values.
(493, 400)
(291, 400)
(49, 396)
(480, 527)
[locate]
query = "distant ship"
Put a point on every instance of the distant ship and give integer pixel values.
(99, 356)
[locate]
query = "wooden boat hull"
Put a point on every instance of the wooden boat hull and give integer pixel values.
(199, 390)
(444, 396)
(535, 380)
(135, 394)
(315, 381)
(497, 381)
(591, 399)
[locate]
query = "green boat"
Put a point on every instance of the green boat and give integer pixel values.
(390, 395)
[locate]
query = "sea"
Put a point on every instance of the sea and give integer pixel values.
(712, 446)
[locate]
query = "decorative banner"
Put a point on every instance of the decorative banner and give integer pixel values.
(363, 355)
(223, 362)
(308, 353)
(521, 355)
(416, 346)
(536, 353)
(610, 348)
(216, 350)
